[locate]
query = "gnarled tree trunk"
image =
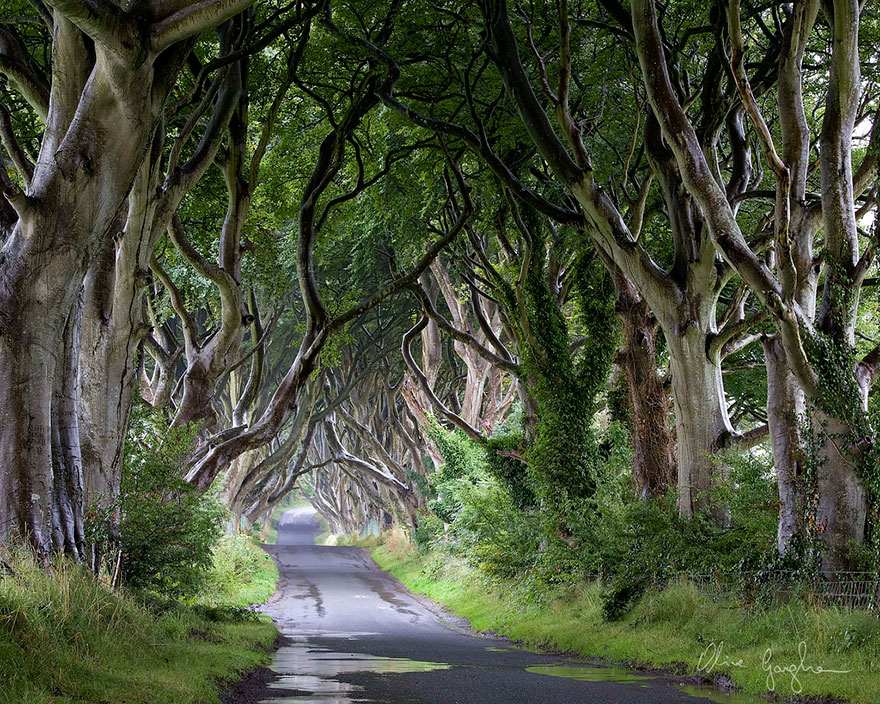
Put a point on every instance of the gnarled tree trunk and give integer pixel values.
(701, 420)
(111, 72)
(653, 447)
(786, 413)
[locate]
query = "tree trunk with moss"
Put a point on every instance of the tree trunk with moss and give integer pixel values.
(652, 444)
(786, 414)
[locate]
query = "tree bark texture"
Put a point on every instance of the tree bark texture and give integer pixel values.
(110, 79)
(652, 443)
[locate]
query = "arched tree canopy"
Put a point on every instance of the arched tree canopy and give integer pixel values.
(324, 235)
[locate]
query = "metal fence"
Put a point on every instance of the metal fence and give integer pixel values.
(849, 590)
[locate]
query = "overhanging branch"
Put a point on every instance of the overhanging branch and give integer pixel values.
(191, 20)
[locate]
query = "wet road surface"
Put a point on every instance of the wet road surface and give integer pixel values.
(356, 634)
(298, 526)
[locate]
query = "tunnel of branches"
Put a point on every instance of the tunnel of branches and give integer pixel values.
(583, 256)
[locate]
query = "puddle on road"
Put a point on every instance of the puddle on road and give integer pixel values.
(585, 673)
(380, 588)
(317, 672)
(716, 695)
(314, 669)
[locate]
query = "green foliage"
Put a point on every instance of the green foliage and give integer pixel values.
(504, 460)
(464, 463)
(559, 453)
(66, 637)
(751, 496)
(618, 598)
(491, 531)
(639, 543)
(563, 455)
(241, 573)
(834, 360)
(617, 397)
(629, 542)
(166, 531)
(669, 627)
(428, 529)
(461, 456)
(485, 522)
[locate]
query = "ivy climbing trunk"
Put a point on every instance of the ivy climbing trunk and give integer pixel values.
(652, 444)
(842, 508)
(786, 412)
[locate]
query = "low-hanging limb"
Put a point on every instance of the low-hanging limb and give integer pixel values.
(319, 325)
(422, 380)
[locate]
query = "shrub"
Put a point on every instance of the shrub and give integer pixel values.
(504, 461)
(167, 530)
(427, 530)
(496, 522)
(491, 531)
(241, 573)
(464, 462)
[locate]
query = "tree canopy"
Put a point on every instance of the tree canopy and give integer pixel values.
(398, 253)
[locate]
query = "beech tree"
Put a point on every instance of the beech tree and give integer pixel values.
(317, 203)
(114, 325)
(818, 344)
(111, 72)
(683, 295)
(313, 231)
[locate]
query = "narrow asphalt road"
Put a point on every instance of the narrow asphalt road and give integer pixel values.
(356, 634)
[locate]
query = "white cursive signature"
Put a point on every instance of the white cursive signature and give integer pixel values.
(713, 656)
(793, 669)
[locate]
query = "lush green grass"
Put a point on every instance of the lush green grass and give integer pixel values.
(357, 541)
(672, 628)
(243, 574)
(65, 637)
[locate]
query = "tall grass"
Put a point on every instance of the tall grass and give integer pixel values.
(242, 574)
(66, 637)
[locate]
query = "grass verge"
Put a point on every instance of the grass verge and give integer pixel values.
(354, 540)
(65, 637)
(242, 574)
(677, 628)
